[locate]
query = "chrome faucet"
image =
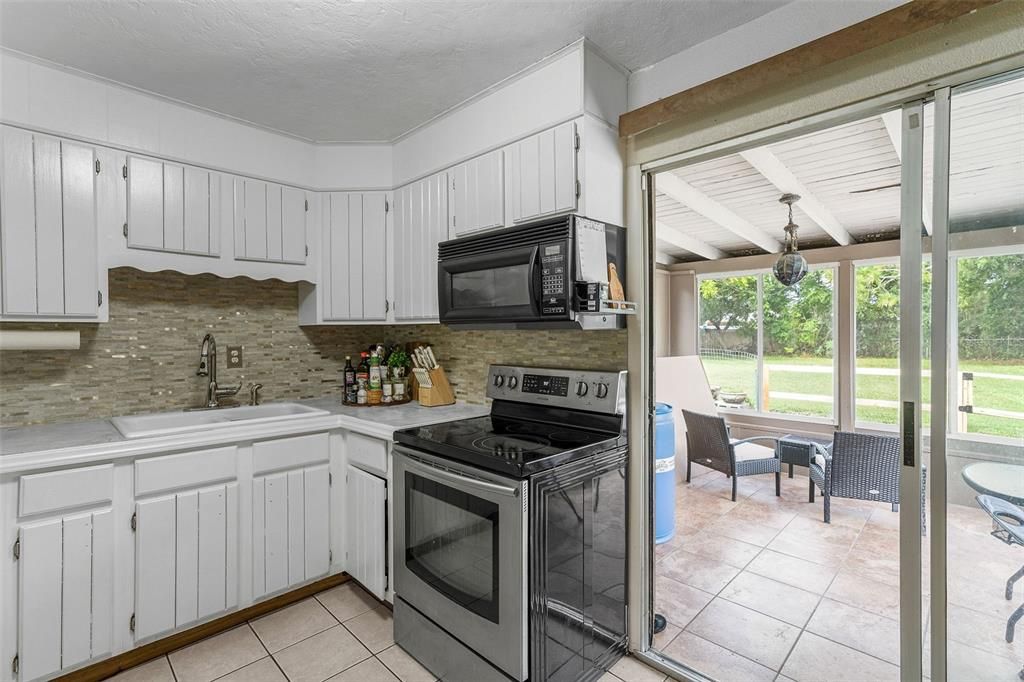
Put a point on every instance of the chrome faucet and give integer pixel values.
(208, 367)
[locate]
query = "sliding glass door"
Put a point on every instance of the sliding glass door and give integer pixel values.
(976, 464)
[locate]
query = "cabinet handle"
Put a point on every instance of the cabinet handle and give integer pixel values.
(387, 306)
(99, 298)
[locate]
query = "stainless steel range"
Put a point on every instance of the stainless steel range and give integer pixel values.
(510, 539)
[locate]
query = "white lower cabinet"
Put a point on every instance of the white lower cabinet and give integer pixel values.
(65, 591)
(290, 512)
(366, 529)
(186, 549)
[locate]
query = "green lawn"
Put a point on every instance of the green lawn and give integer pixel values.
(1003, 394)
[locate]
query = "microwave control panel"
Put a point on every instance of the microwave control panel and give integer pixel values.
(554, 279)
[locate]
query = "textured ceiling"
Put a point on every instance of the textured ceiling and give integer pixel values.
(342, 71)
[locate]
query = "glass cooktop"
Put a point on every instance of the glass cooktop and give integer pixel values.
(514, 446)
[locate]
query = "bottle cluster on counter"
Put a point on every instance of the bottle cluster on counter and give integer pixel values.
(380, 378)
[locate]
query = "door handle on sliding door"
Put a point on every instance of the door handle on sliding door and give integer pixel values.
(909, 432)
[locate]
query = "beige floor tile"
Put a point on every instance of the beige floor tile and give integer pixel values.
(263, 670)
(884, 568)
(322, 655)
(754, 513)
(753, 635)
(816, 659)
(678, 602)
(857, 629)
(864, 593)
(725, 549)
(370, 670)
(984, 631)
(347, 601)
(404, 666)
(967, 664)
(375, 629)
(608, 677)
(791, 570)
(740, 528)
(714, 661)
(629, 669)
(778, 600)
(697, 571)
(217, 656)
(157, 670)
(291, 624)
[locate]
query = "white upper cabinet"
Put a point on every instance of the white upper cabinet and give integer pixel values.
(172, 207)
(270, 222)
(354, 277)
(421, 223)
(48, 240)
(540, 174)
(477, 196)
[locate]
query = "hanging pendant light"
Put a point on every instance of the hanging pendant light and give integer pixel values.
(791, 266)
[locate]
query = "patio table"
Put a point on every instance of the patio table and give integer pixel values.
(999, 479)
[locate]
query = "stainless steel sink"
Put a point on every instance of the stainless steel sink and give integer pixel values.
(168, 423)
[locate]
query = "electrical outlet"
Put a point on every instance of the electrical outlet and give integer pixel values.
(234, 357)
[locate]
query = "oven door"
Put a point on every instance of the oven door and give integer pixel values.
(460, 554)
(501, 286)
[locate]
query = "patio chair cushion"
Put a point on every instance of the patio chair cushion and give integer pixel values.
(750, 451)
(820, 461)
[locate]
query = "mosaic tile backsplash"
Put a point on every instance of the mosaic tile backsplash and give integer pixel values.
(145, 358)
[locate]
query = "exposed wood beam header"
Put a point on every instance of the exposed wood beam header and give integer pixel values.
(887, 27)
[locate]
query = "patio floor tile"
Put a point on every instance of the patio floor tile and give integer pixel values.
(697, 571)
(857, 629)
(816, 659)
(753, 635)
(715, 661)
(789, 604)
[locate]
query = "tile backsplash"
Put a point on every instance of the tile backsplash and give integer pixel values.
(145, 358)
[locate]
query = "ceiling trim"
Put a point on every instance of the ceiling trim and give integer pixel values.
(879, 30)
(674, 187)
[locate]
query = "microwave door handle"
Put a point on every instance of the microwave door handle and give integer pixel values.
(452, 478)
(534, 276)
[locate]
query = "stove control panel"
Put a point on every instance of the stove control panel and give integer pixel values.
(595, 391)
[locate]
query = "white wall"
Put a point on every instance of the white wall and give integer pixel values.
(53, 100)
(791, 25)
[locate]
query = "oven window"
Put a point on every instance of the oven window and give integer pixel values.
(493, 287)
(452, 543)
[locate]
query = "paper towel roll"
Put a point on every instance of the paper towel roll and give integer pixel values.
(19, 339)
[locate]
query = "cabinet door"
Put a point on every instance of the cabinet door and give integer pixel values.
(145, 203)
(477, 194)
(290, 528)
(198, 209)
(336, 241)
(81, 264)
(255, 219)
(366, 498)
(541, 173)
(421, 223)
(65, 592)
(293, 225)
(48, 241)
(18, 223)
(186, 544)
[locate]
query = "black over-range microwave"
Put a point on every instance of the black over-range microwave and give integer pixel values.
(542, 275)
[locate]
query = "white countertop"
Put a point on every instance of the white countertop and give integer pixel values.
(27, 448)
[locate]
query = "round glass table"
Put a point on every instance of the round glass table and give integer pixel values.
(998, 479)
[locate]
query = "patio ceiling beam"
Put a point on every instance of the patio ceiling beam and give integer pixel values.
(894, 126)
(680, 239)
(675, 187)
(777, 173)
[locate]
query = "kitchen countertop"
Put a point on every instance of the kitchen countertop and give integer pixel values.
(26, 448)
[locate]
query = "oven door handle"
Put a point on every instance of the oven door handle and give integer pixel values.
(451, 477)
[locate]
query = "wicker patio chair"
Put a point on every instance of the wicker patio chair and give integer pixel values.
(858, 466)
(708, 444)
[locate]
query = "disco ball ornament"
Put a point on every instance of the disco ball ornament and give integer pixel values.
(791, 266)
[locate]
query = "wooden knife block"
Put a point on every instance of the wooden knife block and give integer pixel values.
(440, 393)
